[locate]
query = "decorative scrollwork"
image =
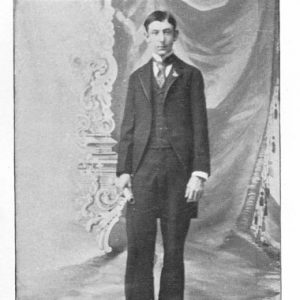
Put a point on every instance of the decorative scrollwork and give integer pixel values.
(100, 204)
(96, 98)
(111, 207)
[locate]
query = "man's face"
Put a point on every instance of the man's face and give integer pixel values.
(161, 36)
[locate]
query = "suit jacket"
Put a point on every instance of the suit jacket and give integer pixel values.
(185, 112)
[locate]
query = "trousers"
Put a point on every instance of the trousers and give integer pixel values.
(158, 192)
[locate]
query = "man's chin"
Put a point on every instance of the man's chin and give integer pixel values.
(162, 52)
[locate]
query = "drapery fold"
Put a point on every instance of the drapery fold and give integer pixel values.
(205, 5)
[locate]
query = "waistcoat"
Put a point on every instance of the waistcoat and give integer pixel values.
(159, 136)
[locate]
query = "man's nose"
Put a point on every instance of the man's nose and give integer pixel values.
(161, 37)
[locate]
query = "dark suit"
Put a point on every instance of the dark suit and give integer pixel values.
(160, 176)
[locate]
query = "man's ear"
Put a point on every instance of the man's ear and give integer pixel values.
(146, 34)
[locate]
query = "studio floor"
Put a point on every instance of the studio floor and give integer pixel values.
(235, 271)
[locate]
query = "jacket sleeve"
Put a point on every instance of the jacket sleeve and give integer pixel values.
(201, 156)
(125, 146)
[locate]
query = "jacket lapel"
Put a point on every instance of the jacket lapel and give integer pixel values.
(145, 74)
(176, 72)
(145, 79)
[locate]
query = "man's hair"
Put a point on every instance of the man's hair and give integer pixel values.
(160, 15)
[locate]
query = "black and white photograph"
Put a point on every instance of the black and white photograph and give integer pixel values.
(147, 150)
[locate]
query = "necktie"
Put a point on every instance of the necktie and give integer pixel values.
(161, 74)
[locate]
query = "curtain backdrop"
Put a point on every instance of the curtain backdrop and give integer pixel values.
(232, 43)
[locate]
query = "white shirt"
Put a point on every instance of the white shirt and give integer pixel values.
(158, 58)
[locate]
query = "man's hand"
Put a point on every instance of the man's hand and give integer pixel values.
(194, 189)
(124, 181)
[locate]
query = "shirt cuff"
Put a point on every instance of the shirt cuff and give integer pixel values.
(201, 174)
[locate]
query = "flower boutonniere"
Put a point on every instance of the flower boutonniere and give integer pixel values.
(175, 74)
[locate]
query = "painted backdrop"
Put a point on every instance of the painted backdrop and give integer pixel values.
(60, 49)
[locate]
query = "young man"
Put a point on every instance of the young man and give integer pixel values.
(164, 156)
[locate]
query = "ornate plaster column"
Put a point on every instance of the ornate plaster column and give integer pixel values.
(100, 204)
